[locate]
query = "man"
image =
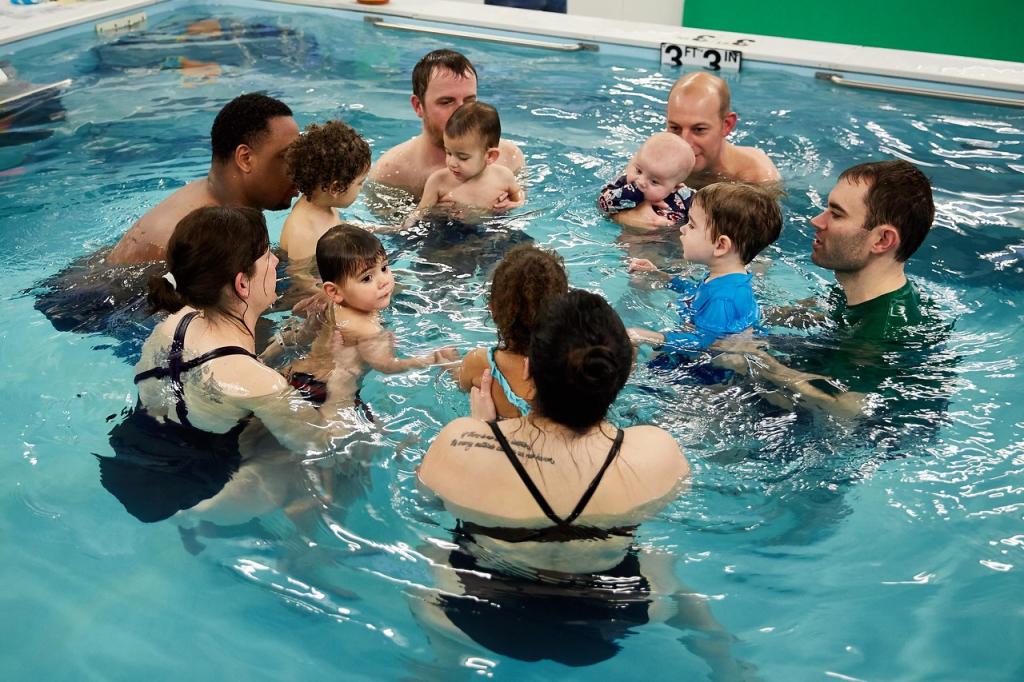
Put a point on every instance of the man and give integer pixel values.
(877, 216)
(442, 81)
(249, 138)
(699, 112)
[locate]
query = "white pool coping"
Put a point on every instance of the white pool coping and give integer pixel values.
(921, 66)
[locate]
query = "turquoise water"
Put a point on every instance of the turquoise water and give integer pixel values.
(870, 552)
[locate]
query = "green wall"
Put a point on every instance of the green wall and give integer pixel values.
(983, 28)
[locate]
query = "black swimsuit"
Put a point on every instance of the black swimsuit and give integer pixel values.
(564, 530)
(575, 620)
(160, 467)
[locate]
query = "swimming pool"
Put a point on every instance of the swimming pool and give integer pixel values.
(825, 551)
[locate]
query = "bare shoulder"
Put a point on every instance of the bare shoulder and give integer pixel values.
(756, 166)
(473, 365)
(511, 156)
(443, 455)
(242, 377)
(655, 451)
(147, 238)
(390, 167)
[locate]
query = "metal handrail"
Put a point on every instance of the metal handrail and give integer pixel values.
(379, 22)
(924, 92)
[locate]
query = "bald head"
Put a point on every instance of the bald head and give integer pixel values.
(672, 153)
(699, 85)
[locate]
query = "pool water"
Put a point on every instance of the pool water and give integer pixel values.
(871, 551)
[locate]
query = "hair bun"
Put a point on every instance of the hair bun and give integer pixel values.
(593, 365)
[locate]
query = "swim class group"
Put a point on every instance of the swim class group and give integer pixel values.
(536, 476)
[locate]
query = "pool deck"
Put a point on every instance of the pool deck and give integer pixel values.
(21, 22)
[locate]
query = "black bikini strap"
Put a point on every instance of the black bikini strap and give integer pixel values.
(597, 479)
(176, 366)
(527, 481)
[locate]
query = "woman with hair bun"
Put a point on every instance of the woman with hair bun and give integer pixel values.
(205, 399)
(556, 495)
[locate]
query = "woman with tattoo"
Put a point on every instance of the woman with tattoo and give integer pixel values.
(524, 282)
(205, 400)
(548, 503)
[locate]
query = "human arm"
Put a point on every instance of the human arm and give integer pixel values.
(744, 356)
(473, 365)
(378, 351)
(431, 192)
(644, 265)
(512, 197)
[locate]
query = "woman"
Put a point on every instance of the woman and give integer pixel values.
(205, 401)
(524, 282)
(556, 495)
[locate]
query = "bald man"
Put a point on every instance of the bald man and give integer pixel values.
(699, 111)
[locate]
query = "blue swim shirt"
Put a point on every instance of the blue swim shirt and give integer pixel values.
(712, 309)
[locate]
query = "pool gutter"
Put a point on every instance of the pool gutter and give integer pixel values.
(872, 61)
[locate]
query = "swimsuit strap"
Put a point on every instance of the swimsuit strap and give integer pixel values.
(510, 395)
(597, 479)
(527, 481)
(532, 487)
(176, 366)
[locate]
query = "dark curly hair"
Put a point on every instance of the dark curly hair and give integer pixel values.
(244, 120)
(331, 154)
(526, 279)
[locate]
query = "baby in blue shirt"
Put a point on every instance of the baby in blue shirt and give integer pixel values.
(729, 224)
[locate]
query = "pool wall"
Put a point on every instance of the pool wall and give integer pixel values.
(847, 59)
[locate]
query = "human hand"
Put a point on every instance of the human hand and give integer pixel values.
(640, 265)
(312, 306)
(446, 355)
(504, 203)
(481, 404)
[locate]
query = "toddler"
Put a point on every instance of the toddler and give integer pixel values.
(471, 180)
(729, 224)
(328, 165)
(653, 192)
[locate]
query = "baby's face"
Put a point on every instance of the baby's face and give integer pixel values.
(656, 175)
(369, 290)
(465, 157)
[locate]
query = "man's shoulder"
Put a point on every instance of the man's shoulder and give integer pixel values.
(147, 238)
(403, 167)
(753, 165)
(511, 156)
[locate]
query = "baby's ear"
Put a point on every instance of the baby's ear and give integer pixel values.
(332, 292)
(492, 155)
(723, 245)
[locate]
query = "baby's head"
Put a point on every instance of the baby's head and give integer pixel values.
(471, 140)
(526, 279)
(330, 159)
(662, 165)
(732, 217)
(354, 268)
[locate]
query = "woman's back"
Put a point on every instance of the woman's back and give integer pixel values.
(507, 519)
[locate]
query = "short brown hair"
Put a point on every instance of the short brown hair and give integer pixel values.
(346, 250)
(748, 214)
(444, 60)
(526, 279)
(322, 156)
(476, 118)
(900, 195)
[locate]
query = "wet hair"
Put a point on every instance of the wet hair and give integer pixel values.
(346, 250)
(524, 282)
(476, 118)
(748, 214)
(580, 358)
(900, 195)
(444, 60)
(208, 248)
(699, 80)
(244, 120)
(333, 154)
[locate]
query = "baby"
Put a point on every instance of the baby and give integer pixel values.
(729, 224)
(328, 164)
(471, 180)
(652, 193)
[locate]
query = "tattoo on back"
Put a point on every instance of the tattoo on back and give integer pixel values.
(472, 439)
